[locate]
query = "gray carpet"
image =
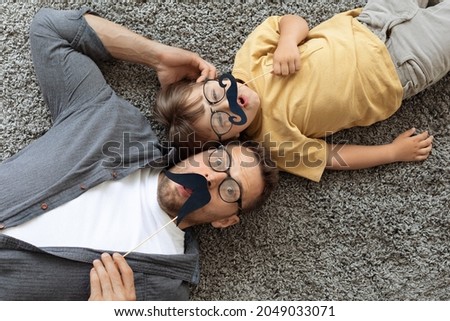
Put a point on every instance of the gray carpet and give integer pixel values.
(377, 234)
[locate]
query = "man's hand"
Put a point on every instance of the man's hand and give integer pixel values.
(408, 147)
(171, 63)
(112, 279)
(175, 64)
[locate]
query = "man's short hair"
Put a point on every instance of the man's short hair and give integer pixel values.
(269, 172)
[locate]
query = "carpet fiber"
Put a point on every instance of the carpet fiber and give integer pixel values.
(377, 234)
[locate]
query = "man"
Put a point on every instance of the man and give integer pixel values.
(97, 176)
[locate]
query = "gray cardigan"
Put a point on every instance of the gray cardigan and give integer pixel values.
(96, 136)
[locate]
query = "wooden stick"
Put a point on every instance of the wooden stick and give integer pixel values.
(148, 238)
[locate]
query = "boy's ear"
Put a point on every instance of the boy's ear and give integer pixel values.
(226, 222)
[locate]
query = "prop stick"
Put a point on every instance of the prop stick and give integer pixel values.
(267, 72)
(148, 238)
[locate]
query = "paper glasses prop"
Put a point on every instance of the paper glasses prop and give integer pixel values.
(232, 96)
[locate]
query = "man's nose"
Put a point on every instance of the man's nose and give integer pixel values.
(215, 178)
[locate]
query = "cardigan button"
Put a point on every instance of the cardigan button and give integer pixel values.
(2, 226)
(44, 206)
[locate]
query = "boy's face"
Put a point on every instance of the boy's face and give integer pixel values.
(215, 121)
(243, 168)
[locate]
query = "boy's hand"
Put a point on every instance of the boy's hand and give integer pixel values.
(112, 279)
(286, 59)
(408, 147)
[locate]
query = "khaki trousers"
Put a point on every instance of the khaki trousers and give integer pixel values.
(417, 35)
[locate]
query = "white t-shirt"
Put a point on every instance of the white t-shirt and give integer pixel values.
(113, 216)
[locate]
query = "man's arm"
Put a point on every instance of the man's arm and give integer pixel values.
(286, 58)
(407, 147)
(171, 63)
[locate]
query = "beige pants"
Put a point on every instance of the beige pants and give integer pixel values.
(417, 35)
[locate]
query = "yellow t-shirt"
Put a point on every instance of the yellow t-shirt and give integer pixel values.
(346, 79)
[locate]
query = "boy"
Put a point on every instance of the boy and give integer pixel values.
(300, 86)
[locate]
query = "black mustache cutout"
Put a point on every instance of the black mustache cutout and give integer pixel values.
(200, 193)
(232, 97)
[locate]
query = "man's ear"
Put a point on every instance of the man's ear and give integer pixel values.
(226, 222)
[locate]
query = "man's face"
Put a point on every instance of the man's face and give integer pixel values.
(244, 169)
(215, 121)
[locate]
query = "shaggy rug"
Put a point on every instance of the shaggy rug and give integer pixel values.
(376, 234)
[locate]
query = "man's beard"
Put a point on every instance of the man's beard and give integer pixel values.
(195, 183)
(167, 197)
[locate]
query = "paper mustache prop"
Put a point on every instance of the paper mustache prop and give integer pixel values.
(200, 194)
(232, 97)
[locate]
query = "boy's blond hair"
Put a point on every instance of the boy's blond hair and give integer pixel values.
(177, 113)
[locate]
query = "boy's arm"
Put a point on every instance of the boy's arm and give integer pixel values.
(286, 58)
(171, 63)
(406, 147)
